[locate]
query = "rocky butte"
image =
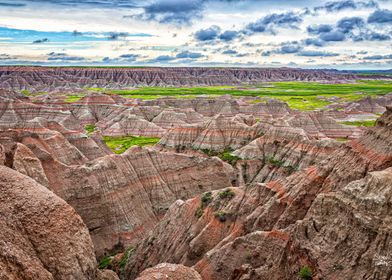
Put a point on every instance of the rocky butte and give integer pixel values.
(100, 184)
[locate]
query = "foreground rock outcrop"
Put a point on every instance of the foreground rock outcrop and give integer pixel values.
(169, 271)
(41, 236)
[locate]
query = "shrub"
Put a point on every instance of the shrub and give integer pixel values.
(90, 128)
(199, 212)
(305, 273)
(105, 262)
(221, 215)
(206, 198)
(275, 162)
(227, 193)
(124, 258)
(228, 157)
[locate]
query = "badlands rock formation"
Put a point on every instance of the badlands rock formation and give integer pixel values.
(42, 237)
(119, 197)
(169, 271)
(331, 217)
(37, 79)
(288, 196)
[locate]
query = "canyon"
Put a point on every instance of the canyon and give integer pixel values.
(229, 186)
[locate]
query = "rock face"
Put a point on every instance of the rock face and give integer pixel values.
(332, 217)
(41, 236)
(119, 197)
(169, 271)
(45, 79)
(279, 153)
(319, 125)
(217, 134)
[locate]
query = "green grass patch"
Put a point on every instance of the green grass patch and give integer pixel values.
(299, 95)
(124, 259)
(73, 98)
(28, 93)
(361, 123)
(275, 162)
(225, 155)
(90, 128)
(121, 144)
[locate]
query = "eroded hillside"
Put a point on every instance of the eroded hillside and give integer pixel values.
(224, 186)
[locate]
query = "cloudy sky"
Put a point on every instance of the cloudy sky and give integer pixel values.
(344, 34)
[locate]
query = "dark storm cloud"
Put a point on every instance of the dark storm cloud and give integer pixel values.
(124, 58)
(291, 47)
(208, 34)
(334, 6)
(333, 36)
(187, 54)
(8, 4)
(230, 52)
(129, 56)
(40, 41)
(229, 35)
(5, 56)
(92, 3)
(378, 57)
(316, 54)
(380, 16)
(272, 21)
(63, 57)
(172, 11)
(184, 57)
(348, 24)
(314, 42)
(117, 35)
(319, 28)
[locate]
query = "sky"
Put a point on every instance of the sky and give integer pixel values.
(343, 34)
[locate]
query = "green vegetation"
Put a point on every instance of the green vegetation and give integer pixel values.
(206, 198)
(121, 144)
(124, 259)
(89, 128)
(73, 98)
(341, 139)
(199, 212)
(275, 162)
(225, 155)
(28, 93)
(280, 163)
(299, 95)
(227, 193)
(361, 123)
(305, 273)
(25, 92)
(105, 262)
(221, 215)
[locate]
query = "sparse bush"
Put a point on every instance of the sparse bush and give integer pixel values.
(199, 212)
(90, 128)
(124, 258)
(206, 198)
(228, 157)
(105, 262)
(305, 273)
(227, 193)
(275, 162)
(221, 215)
